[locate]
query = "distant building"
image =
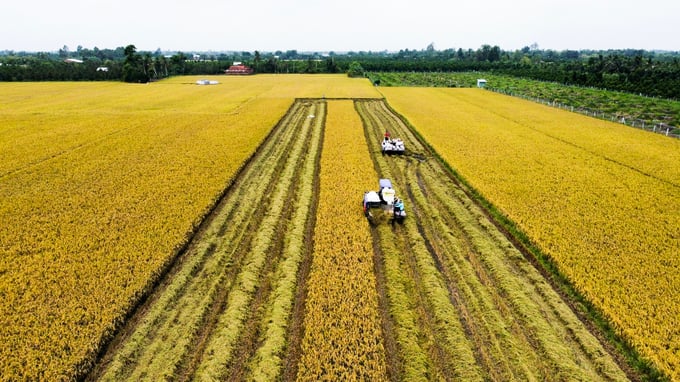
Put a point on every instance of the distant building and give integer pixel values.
(73, 61)
(102, 69)
(238, 68)
(481, 83)
(207, 82)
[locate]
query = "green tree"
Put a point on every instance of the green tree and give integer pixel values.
(331, 65)
(270, 66)
(178, 63)
(148, 66)
(133, 67)
(258, 62)
(355, 69)
(311, 66)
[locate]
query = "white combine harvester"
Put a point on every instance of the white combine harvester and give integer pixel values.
(392, 146)
(385, 200)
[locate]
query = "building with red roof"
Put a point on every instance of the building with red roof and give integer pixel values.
(239, 68)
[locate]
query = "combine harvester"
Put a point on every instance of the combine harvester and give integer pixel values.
(384, 200)
(392, 146)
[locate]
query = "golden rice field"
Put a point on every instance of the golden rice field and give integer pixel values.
(289, 281)
(171, 231)
(101, 184)
(229, 301)
(598, 198)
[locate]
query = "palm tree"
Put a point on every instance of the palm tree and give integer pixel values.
(147, 66)
(164, 65)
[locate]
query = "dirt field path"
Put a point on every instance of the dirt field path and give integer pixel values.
(466, 304)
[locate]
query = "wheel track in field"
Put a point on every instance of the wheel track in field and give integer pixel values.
(236, 368)
(220, 302)
(440, 350)
(168, 335)
(415, 288)
(516, 325)
(249, 334)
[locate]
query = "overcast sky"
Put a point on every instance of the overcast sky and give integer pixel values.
(339, 25)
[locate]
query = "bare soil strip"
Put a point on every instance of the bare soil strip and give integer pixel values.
(514, 324)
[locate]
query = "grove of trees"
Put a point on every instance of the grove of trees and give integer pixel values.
(636, 71)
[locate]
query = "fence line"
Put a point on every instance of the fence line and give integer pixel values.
(655, 127)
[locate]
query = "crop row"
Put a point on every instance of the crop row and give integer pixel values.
(88, 229)
(591, 195)
(101, 185)
(343, 339)
(428, 327)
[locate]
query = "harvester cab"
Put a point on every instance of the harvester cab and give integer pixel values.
(398, 212)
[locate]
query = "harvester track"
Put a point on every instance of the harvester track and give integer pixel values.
(210, 314)
(483, 311)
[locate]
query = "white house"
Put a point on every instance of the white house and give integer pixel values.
(481, 83)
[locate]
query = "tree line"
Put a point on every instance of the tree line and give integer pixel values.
(636, 71)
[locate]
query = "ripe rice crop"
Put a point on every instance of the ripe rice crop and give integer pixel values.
(594, 196)
(298, 85)
(100, 185)
(343, 338)
(103, 187)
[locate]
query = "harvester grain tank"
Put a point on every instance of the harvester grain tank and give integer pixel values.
(384, 203)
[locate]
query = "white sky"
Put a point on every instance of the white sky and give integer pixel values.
(339, 25)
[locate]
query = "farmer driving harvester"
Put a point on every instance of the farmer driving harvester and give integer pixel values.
(385, 200)
(398, 205)
(398, 212)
